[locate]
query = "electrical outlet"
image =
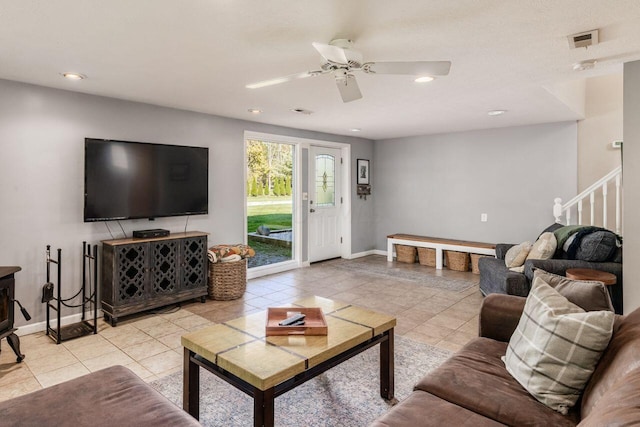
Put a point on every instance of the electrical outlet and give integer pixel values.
(483, 217)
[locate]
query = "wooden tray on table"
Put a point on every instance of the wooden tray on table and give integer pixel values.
(314, 322)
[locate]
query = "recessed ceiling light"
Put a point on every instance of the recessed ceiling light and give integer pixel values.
(355, 130)
(74, 76)
(301, 111)
(424, 79)
(254, 110)
(496, 112)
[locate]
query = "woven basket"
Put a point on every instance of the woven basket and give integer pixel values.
(227, 280)
(406, 253)
(427, 256)
(474, 263)
(458, 261)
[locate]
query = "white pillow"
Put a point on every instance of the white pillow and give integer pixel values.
(517, 255)
(544, 247)
(556, 346)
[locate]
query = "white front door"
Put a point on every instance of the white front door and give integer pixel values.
(325, 204)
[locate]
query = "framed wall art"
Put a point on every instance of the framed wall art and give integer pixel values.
(363, 171)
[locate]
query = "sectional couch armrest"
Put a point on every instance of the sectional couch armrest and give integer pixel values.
(499, 316)
(560, 266)
(502, 248)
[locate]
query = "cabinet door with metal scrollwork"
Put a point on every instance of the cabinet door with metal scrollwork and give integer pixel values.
(164, 271)
(194, 259)
(131, 261)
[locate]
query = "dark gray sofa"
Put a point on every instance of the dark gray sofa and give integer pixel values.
(495, 277)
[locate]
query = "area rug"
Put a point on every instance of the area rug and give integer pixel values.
(345, 396)
(414, 273)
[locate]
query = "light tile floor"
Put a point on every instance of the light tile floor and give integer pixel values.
(149, 344)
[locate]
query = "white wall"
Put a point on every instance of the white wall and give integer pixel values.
(631, 177)
(601, 126)
(42, 133)
(438, 185)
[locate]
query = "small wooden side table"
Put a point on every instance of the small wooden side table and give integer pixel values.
(590, 274)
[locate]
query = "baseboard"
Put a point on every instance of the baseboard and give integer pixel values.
(380, 252)
(42, 326)
(361, 254)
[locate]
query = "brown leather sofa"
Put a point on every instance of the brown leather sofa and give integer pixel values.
(473, 388)
(110, 397)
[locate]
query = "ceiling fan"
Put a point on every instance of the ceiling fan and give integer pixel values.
(340, 60)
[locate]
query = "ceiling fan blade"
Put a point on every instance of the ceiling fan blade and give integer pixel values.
(348, 87)
(415, 68)
(284, 79)
(331, 53)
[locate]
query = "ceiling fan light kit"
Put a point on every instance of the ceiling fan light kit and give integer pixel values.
(341, 60)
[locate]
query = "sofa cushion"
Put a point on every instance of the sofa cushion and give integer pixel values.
(113, 396)
(556, 346)
(476, 379)
(424, 409)
(544, 247)
(586, 294)
(517, 255)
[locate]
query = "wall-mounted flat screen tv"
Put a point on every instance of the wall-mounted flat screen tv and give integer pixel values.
(127, 180)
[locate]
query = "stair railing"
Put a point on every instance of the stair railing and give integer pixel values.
(560, 209)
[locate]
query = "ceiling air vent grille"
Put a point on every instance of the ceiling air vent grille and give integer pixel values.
(586, 39)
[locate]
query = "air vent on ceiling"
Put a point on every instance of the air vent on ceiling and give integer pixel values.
(586, 39)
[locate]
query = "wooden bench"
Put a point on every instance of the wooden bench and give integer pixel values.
(439, 245)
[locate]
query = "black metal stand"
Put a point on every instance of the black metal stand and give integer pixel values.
(85, 326)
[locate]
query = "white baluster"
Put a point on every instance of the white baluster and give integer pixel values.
(592, 200)
(604, 205)
(568, 216)
(557, 209)
(618, 213)
(579, 211)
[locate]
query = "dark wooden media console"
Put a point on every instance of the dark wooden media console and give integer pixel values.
(142, 274)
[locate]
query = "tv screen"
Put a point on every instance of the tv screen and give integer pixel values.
(127, 180)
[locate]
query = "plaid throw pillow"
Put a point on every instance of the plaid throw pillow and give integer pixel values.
(556, 346)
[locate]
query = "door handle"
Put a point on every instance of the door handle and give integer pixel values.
(312, 210)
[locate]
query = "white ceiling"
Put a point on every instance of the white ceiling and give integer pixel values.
(198, 55)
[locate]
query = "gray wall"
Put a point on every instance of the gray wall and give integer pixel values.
(42, 133)
(631, 177)
(438, 185)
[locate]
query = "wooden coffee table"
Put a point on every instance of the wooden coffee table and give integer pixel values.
(266, 367)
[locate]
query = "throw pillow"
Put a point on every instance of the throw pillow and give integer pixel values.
(599, 246)
(556, 347)
(586, 294)
(517, 254)
(544, 247)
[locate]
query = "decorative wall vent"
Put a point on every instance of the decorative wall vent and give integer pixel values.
(586, 39)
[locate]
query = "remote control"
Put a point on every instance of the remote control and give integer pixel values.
(293, 319)
(298, 323)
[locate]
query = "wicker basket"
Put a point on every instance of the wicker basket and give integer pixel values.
(406, 253)
(227, 280)
(474, 263)
(458, 261)
(427, 256)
